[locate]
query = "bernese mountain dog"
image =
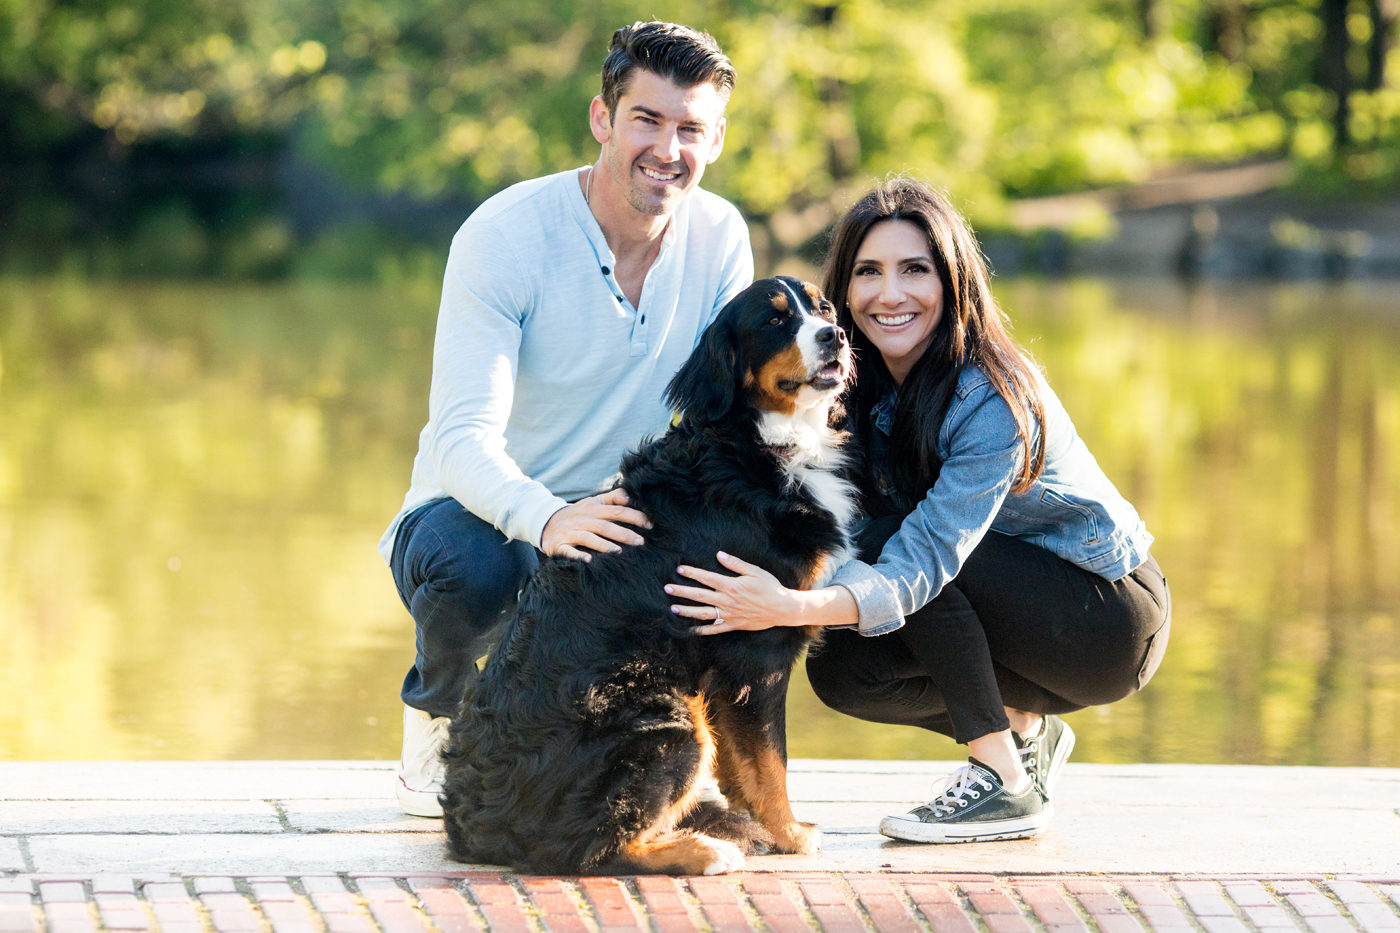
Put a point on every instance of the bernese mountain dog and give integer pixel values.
(580, 748)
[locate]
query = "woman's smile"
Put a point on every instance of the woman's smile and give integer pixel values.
(892, 320)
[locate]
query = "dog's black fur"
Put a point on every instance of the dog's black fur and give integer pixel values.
(580, 747)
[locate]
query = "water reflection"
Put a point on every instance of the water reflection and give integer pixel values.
(192, 480)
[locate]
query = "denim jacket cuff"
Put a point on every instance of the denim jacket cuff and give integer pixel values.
(875, 598)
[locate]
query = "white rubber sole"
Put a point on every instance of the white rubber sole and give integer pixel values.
(908, 829)
(417, 802)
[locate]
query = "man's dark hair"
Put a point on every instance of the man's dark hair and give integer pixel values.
(682, 55)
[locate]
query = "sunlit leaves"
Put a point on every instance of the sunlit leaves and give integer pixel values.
(990, 98)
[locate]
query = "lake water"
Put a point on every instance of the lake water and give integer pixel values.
(193, 478)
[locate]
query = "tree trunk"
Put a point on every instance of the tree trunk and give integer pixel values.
(1227, 19)
(1153, 16)
(1332, 71)
(1383, 16)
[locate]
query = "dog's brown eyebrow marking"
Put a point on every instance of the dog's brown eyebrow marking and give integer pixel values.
(780, 301)
(813, 292)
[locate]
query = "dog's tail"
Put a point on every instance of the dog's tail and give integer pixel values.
(715, 820)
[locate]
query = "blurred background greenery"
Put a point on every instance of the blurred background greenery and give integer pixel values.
(266, 137)
(222, 230)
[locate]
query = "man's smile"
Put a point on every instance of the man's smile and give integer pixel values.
(659, 175)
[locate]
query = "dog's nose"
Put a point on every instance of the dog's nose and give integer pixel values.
(830, 335)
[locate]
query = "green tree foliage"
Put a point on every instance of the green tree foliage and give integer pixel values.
(993, 98)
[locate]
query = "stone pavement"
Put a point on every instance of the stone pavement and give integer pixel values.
(319, 847)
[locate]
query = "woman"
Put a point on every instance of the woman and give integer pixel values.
(1002, 579)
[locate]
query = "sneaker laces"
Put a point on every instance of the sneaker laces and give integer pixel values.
(1029, 747)
(962, 784)
(1030, 757)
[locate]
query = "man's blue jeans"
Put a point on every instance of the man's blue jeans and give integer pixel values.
(459, 577)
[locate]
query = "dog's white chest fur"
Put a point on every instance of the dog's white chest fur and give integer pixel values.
(831, 491)
(837, 496)
(813, 460)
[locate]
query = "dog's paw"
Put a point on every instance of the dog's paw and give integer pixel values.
(725, 856)
(798, 839)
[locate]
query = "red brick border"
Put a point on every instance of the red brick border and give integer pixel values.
(833, 902)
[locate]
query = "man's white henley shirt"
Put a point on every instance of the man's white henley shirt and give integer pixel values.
(544, 375)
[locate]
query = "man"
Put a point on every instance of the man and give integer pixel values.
(568, 303)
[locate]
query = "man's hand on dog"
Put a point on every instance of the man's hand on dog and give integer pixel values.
(599, 523)
(749, 601)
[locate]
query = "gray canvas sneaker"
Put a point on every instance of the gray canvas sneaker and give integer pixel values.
(1044, 754)
(972, 807)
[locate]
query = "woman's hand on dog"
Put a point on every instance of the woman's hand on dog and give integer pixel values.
(748, 601)
(752, 599)
(600, 523)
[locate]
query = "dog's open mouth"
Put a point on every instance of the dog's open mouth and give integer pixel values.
(829, 376)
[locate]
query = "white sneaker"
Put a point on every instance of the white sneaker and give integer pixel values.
(421, 769)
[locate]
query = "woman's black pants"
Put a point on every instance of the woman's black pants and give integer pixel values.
(1018, 627)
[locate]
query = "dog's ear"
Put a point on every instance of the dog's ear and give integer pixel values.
(707, 386)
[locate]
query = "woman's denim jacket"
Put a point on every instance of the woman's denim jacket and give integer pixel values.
(1072, 509)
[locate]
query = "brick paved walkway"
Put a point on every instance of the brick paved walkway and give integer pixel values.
(321, 847)
(784, 901)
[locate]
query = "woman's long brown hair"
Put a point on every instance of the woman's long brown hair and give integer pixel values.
(973, 329)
